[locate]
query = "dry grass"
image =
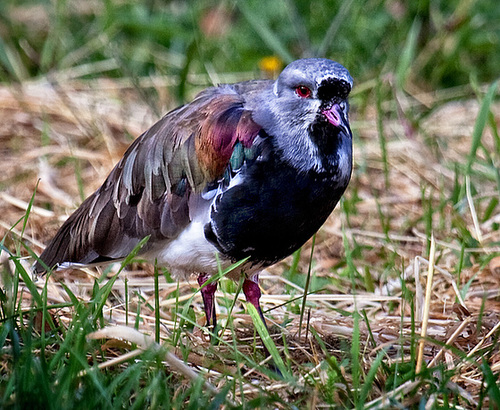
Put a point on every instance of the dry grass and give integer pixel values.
(52, 136)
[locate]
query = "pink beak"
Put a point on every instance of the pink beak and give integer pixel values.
(333, 115)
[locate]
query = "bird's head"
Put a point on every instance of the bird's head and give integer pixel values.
(306, 113)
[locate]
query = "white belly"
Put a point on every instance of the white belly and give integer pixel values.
(189, 253)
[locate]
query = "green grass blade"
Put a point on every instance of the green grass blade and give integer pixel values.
(265, 32)
(268, 342)
(407, 54)
(381, 132)
(11, 61)
(334, 27)
(157, 303)
(481, 119)
(28, 281)
(28, 210)
(370, 377)
(306, 287)
(233, 304)
(355, 356)
(491, 382)
(126, 301)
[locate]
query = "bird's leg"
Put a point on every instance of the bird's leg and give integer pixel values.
(252, 294)
(208, 294)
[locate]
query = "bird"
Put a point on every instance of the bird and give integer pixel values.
(244, 172)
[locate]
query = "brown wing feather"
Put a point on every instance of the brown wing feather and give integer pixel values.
(148, 191)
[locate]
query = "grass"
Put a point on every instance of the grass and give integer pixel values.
(79, 82)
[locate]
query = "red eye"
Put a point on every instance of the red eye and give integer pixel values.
(303, 91)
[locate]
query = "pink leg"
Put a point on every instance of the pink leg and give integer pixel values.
(208, 294)
(252, 293)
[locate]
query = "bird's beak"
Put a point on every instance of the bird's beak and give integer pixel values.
(336, 116)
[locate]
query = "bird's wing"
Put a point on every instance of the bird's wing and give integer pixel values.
(148, 191)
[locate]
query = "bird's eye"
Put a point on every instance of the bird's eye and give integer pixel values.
(303, 91)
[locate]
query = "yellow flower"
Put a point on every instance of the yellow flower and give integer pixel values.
(271, 66)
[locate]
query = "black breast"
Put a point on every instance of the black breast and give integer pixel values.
(272, 211)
